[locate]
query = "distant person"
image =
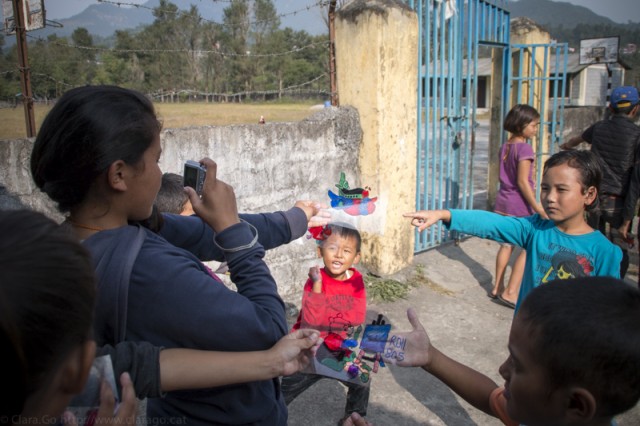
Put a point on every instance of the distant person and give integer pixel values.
(616, 142)
(574, 357)
(569, 187)
(171, 197)
(516, 196)
(111, 136)
(334, 302)
(47, 298)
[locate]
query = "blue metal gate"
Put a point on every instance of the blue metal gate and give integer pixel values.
(450, 33)
(537, 77)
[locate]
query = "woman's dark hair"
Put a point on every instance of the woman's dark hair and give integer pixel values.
(585, 333)
(586, 162)
(47, 297)
(87, 130)
(519, 117)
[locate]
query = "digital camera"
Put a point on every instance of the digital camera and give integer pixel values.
(194, 174)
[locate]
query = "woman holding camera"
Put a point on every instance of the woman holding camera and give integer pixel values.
(96, 155)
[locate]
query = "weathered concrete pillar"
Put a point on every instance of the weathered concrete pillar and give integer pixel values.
(495, 128)
(376, 61)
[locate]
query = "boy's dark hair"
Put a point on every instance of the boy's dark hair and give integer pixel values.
(586, 333)
(623, 110)
(47, 297)
(88, 129)
(586, 162)
(345, 231)
(171, 198)
(519, 117)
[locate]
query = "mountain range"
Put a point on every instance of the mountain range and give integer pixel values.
(554, 14)
(104, 19)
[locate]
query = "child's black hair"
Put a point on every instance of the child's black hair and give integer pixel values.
(171, 198)
(586, 333)
(86, 131)
(623, 110)
(47, 297)
(586, 162)
(519, 117)
(344, 230)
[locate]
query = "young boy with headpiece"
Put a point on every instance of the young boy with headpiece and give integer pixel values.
(335, 303)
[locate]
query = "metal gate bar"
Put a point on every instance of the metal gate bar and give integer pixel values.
(551, 110)
(447, 101)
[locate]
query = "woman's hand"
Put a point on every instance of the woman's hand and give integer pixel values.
(294, 351)
(217, 206)
(317, 214)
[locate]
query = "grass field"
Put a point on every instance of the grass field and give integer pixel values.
(12, 122)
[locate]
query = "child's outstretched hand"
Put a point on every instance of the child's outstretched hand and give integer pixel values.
(294, 351)
(425, 218)
(409, 349)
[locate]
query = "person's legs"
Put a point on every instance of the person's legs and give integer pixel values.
(294, 385)
(357, 399)
(611, 211)
(517, 272)
(502, 259)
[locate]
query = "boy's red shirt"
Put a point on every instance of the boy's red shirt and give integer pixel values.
(342, 304)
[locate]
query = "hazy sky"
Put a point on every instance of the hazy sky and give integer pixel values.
(617, 10)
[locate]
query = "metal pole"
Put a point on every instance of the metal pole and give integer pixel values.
(332, 53)
(23, 64)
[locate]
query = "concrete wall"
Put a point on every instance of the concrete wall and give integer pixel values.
(376, 60)
(372, 139)
(270, 167)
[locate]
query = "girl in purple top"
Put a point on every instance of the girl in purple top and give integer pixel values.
(515, 196)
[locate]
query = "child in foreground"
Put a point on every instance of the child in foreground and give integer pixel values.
(47, 297)
(574, 357)
(562, 247)
(334, 301)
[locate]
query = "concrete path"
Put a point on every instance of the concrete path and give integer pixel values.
(460, 319)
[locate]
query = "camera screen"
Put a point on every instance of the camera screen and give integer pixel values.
(190, 177)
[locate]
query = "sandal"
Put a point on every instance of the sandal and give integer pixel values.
(505, 302)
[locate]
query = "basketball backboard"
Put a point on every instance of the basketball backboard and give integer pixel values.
(599, 50)
(34, 15)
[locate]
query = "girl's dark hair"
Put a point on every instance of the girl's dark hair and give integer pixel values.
(87, 130)
(586, 162)
(585, 333)
(47, 297)
(519, 117)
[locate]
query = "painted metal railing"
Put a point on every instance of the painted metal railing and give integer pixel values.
(535, 85)
(451, 32)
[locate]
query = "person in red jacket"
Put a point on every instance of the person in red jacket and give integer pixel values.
(334, 302)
